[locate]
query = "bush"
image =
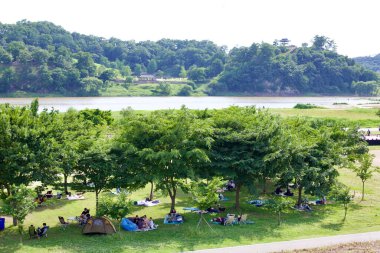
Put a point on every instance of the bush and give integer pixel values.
(305, 106)
(185, 91)
(115, 208)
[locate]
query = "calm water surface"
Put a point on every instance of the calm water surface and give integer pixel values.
(154, 103)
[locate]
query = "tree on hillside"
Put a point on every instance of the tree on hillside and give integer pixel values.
(196, 74)
(323, 43)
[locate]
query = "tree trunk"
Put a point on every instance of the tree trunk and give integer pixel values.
(279, 218)
(8, 190)
(172, 206)
(363, 190)
(151, 191)
(299, 201)
(345, 212)
(172, 195)
(65, 183)
(264, 185)
(97, 200)
(14, 221)
(237, 196)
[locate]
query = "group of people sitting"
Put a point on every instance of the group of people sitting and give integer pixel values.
(40, 232)
(143, 222)
(84, 217)
(280, 192)
(48, 195)
(222, 220)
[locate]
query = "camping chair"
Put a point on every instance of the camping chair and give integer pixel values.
(243, 219)
(63, 222)
(230, 220)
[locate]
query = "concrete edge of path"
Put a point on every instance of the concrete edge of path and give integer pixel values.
(297, 244)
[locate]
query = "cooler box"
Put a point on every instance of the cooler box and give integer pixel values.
(2, 224)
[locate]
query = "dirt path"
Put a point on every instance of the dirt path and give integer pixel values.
(297, 244)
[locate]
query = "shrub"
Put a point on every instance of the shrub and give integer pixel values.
(115, 208)
(305, 106)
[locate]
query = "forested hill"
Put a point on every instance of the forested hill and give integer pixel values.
(42, 57)
(289, 70)
(369, 62)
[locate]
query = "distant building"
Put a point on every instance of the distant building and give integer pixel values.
(147, 78)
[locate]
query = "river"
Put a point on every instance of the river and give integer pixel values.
(154, 103)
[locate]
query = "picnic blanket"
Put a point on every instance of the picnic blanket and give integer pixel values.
(74, 197)
(178, 219)
(147, 203)
(257, 202)
(192, 209)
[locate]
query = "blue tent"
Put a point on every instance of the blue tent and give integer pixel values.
(128, 225)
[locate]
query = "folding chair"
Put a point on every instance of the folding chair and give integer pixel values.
(63, 222)
(230, 220)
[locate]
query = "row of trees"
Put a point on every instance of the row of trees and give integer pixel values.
(166, 148)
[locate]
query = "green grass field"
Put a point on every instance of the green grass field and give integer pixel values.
(365, 117)
(323, 220)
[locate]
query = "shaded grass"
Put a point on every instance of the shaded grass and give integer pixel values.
(324, 220)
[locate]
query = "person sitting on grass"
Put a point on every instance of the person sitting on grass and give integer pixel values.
(221, 208)
(288, 193)
(136, 219)
(278, 191)
(85, 215)
(151, 224)
(220, 220)
(212, 210)
(42, 231)
(32, 231)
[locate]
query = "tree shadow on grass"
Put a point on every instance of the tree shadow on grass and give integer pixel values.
(172, 238)
(333, 226)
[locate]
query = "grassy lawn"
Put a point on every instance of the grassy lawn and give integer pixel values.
(146, 89)
(324, 220)
(365, 117)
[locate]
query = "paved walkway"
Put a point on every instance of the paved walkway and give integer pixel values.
(297, 244)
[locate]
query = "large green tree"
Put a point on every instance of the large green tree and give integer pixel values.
(171, 145)
(27, 150)
(243, 138)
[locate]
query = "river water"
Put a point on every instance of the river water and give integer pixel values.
(154, 103)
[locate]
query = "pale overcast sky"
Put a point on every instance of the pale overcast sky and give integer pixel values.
(352, 24)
